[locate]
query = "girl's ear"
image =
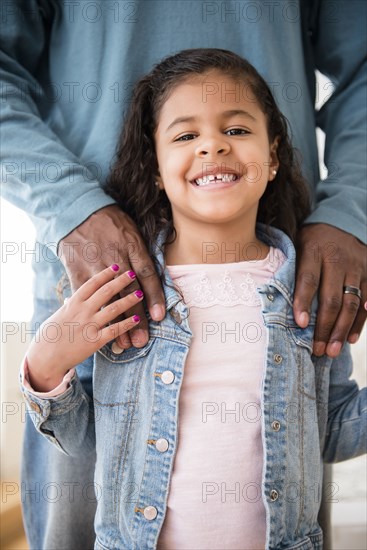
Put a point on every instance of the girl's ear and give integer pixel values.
(159, 182)
(274, 162)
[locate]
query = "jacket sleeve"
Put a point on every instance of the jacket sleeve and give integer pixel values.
(346, 435)
(338, 47)
(38, 173)
(67, 420)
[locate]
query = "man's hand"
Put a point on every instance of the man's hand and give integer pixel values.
(110, 236)
(329, 259)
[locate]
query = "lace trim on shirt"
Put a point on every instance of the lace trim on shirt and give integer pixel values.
(206, 293)
(205, 288)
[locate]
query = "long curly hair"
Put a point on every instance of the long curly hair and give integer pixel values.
(131, 182)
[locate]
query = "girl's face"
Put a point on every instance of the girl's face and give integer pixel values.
(213, 151)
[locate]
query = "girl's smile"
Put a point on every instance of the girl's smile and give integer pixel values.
(217, 178)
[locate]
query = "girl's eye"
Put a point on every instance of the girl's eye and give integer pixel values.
(239, 131)
(236, 132)
(183, 138)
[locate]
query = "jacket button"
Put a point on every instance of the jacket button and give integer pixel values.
(275, 425)
(161, 445)
(115, 348)
(270, 297)
(278, 358)
(274, 495)
(150, 512)
(176, 315)
(167, 377)
(35, 407)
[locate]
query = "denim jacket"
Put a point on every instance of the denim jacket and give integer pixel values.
(311, 412)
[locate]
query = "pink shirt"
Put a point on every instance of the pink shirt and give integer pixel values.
(215, 499)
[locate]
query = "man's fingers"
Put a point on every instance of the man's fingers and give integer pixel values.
(152, 287)
(307, 283)
(123, 341)
(344, 322)
(330, 305)
(361, 316)
(139, 336)
(113, 330)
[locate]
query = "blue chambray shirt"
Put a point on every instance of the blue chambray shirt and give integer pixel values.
(311, 411)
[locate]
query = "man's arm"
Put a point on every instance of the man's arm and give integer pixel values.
(332, 254)
(41, 176)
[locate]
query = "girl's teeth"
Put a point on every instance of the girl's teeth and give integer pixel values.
(219, 177)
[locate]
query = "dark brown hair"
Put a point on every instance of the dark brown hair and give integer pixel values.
(131, 182)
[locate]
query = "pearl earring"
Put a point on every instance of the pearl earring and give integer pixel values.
(274, 172)
(157, 183)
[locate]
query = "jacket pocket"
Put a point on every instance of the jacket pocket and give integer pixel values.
(312, 542)
(127, 355)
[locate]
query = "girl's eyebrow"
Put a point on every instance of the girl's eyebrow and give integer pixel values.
(225, 114)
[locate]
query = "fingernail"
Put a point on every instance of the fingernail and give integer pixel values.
(157, 312)
(139, 293)
(319, 348)
(139, 338)
(365, 305)
(334, 348)
(123, 342)
(131, 274)
(115, 267)
(304, 319)
(136, 318)
(353, 338)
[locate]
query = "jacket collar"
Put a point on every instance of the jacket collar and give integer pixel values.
(284, 278)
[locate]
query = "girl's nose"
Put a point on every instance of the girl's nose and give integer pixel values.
(212, 147)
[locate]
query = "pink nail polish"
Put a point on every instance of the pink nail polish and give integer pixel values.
(139, 293)
(131, 274)
(136, 318)
(115, 267)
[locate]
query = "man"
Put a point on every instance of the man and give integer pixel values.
(67, 70)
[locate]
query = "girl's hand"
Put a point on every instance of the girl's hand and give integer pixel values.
(80, 327)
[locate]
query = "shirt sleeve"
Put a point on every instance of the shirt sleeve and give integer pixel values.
(66, 419)
(346, 435)
(59, 203)
(339, 46)
(60, 389)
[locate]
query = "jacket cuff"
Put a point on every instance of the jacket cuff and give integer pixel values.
(61, 388)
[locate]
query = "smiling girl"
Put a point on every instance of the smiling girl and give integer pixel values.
(213, 434)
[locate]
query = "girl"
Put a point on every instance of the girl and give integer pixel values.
(213, 434)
